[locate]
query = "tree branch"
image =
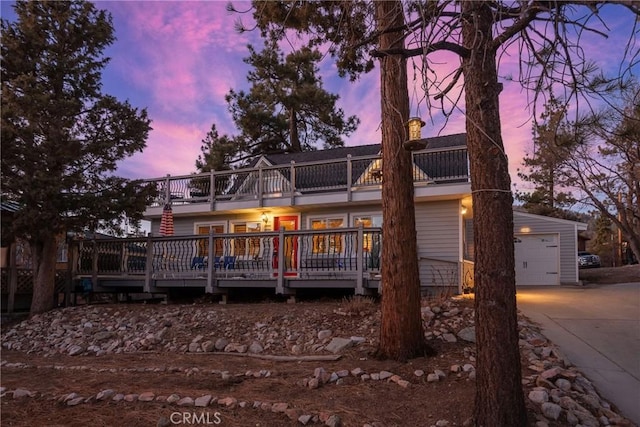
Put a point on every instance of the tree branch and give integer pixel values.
(408, 53)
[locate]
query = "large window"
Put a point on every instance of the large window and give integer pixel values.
(203, 245)
(330, 243)
(246, 247)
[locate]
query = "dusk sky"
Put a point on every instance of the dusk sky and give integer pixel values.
(180, 59)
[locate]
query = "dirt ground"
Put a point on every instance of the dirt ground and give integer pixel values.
(356, 402)
(610, 275)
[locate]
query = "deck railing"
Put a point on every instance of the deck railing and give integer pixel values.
(431, 166)
(307, 254)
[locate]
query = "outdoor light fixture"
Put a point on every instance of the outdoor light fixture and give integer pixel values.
(265, 218)
(463, 210)
(415, 141)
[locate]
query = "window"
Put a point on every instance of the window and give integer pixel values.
(246, 247)
(329, 243)
(203, 244)
(368, 221)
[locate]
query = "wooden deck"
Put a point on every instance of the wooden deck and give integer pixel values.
(154, 264)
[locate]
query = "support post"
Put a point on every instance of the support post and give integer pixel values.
(148, 268)
(280, 282)
(293, 182)
(260, 187)
(211, 270)
(13, 278)
(212, 191)
(94, 266)
(72, 270)
(360, 261)
(349, 177)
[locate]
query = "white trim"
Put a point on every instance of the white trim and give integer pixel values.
(224, 224)
(579, 225)
(343, 217)
(354, 215)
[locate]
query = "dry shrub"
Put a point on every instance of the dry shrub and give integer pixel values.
(358, 305)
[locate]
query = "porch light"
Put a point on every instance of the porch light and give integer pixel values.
(415, 141)
(265, 218)
(463, 210)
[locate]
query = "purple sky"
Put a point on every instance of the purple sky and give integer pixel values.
(179, 60)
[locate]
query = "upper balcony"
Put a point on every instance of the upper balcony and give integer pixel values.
(282, 180)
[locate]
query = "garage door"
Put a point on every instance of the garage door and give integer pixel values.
(537, 259)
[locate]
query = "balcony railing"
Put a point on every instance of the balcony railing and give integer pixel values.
(347, 253)
(430, 166)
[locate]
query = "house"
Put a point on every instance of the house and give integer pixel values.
(313, 220)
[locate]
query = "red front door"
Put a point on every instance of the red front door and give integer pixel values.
(290, 245)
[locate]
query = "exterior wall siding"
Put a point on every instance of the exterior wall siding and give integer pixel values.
(568, 240)
(439, 247)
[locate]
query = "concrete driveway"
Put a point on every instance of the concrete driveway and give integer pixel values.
(598, 329)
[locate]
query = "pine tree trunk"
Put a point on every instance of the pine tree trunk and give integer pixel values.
(44, 274)
(499, 397)
(401, 332)
(294, 138)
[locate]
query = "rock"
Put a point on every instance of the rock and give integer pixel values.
(75, 350)
(279, 407)
(468, 367)
(229, 402)
(105, 394)
(255, 348)
(103, 335)
(21, 392)
(551, 410)
(431, 378)
(333, 421)
(440, 374)
(418, 373)
(118, 397)
(304, 419)
(338, 344)
(147, 397)
(324, 334)
(76, 401)
(449, 337)
(356, 372)
(442, 423)
(208, 346)
(403, 383)
(173, 398)
(194, 347)
(468, 334)
(203, 401)
(221, 343)
(164, 422)
(313, 383)
(185, 401)
(551, 374)
(131, 397)
(538, 396)
(342, 373)
(358, 340)
(383, 375)
(562, 384)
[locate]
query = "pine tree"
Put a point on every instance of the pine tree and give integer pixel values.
(554, 139)
(61, 137)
